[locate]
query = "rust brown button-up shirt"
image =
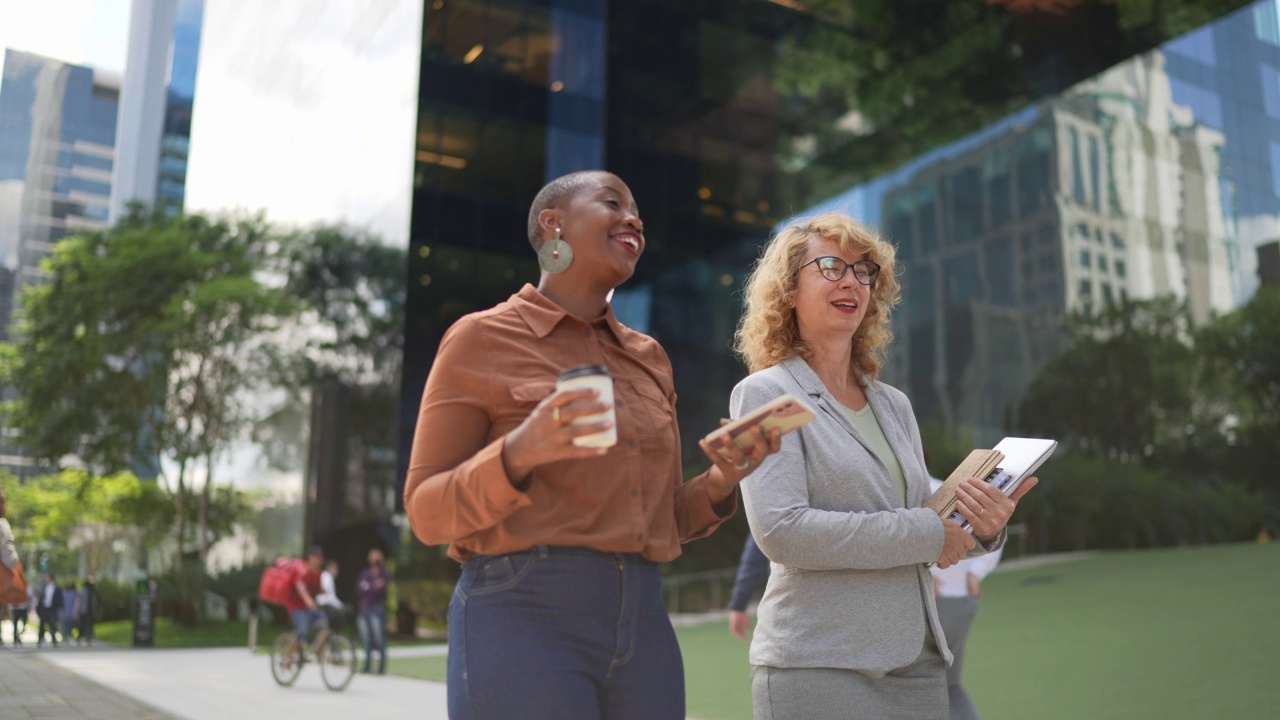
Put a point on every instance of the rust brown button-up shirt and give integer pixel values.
(490, 371)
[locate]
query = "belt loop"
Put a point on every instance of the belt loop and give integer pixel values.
(542, 551)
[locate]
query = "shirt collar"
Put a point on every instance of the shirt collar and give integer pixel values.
(543, 315)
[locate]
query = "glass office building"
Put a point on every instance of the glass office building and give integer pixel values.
(57, 147)
(175, 140)
(1028, 160)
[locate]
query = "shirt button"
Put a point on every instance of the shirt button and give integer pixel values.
(619, 403)
(639, 538)
(635, 493)
(631, 443)
(587, 333)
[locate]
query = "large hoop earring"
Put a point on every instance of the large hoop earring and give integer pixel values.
(556, 256)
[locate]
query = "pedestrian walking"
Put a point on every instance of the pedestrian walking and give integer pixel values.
(48, 610)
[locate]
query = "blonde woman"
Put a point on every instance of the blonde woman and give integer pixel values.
(848, 626)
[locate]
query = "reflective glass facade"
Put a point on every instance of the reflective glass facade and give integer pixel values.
(57, 147)
(175, 141)
(1028, 160)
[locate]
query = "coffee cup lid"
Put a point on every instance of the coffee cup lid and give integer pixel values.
(583, 371)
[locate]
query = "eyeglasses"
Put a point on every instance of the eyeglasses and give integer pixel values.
(833, 269)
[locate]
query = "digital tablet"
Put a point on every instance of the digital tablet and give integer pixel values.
(1022, 456)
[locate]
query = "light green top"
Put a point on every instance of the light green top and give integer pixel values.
(867, 424)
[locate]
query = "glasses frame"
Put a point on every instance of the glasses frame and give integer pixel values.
(873, 274)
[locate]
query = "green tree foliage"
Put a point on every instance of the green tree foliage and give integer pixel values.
(1124, 389)
(146, 342)
(871, 84)
(1243, 351)
(89, 513)
(1167, 431)
(351, 288)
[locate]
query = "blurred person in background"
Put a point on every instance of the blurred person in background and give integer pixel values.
(9, 558)
(48, 609)
(371, 593)
(302, 606)
(86, 610)
(753, 571)
(957, 590)
(67, 618)
(848, 626)
(559, 612)
(335, 611)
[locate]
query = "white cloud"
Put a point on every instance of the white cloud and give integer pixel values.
(307, 110)
(83, 32)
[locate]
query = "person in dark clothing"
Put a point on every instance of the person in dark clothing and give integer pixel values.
(48, 609)
(86, 609)
(753, 571)
(371, 590)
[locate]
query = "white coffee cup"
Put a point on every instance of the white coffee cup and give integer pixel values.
(593, 377)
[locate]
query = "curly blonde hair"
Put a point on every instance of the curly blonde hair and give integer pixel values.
(768, 333)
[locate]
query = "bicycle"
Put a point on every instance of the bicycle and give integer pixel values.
(336, 657)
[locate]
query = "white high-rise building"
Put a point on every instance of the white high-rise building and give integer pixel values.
(1111, 190)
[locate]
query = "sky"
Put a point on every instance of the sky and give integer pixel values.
(84, 32)
(304, 109)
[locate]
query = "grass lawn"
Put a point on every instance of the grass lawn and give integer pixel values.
(169, 634)
(1147, 634)
(214, 633)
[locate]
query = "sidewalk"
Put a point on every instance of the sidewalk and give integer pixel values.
(113, 683)
(32, 688)
(216, 684)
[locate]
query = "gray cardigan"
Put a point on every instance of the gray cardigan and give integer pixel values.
(849, 588)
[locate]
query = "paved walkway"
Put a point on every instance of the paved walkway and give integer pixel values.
(110, 683)
(31, 688)
(216, 684)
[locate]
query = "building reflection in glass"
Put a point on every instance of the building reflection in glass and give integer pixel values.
(1028, 164)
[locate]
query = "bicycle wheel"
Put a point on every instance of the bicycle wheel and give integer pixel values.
(338, 665)
(285, 668)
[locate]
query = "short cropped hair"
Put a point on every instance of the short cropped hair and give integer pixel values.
(768, 332)
(555, 194)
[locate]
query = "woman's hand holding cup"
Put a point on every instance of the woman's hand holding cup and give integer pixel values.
(548, 434)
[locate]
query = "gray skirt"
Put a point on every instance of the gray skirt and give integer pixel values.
(915, 692)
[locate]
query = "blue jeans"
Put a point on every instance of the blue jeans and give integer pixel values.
(562, 633)
(303, 619)
(373, 633)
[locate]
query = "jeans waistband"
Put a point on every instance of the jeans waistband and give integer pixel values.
(545, 551)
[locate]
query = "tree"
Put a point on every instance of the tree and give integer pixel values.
(874, 83)
(1243, 350)
(88, 513)
(147, 341)
(1125, 387)
(350, 287)
(346, 348)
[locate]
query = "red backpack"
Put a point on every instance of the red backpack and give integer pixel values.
(278, 580)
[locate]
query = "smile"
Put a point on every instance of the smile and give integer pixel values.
(631, 242)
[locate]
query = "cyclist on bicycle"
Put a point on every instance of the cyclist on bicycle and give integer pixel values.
(302, 605)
